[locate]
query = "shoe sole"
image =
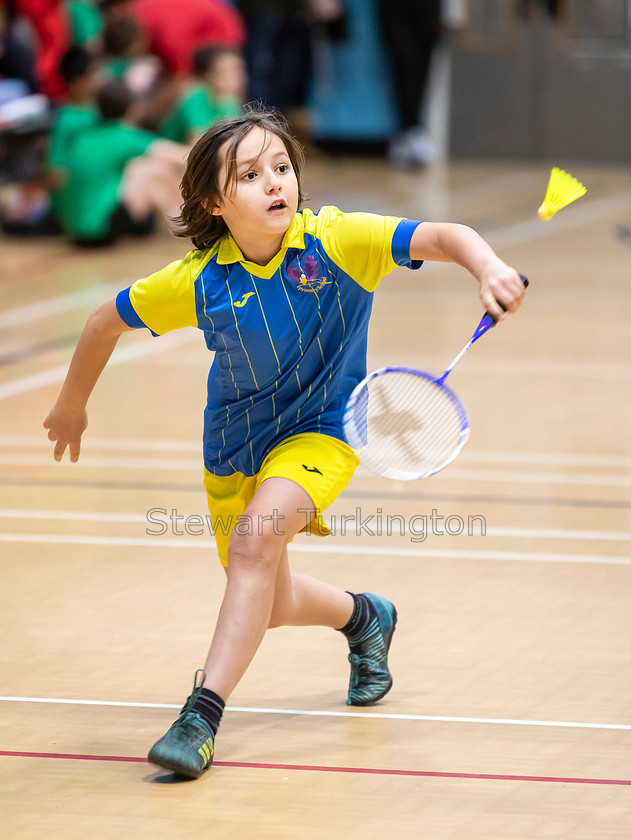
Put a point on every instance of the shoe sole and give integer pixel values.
(393, 625)
(177, 768)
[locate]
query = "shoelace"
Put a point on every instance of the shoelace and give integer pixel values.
(364, 664)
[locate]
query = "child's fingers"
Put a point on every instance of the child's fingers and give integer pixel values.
(492, 306)
(75, 449)
(60, 448)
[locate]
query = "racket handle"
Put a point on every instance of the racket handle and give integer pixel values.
(524, 280)
(489, 320)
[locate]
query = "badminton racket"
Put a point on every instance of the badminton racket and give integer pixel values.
(405, 423)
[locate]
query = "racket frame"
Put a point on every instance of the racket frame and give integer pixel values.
(353, 437)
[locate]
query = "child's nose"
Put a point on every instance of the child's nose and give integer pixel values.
(273, 182)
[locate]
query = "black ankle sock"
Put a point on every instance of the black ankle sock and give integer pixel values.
(210, 706)
(363, 613)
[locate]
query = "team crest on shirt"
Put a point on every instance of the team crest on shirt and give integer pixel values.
(306, 274)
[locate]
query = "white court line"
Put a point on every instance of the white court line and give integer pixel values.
(123, 517)
(556, 369)
(384, 551)
(102, 461)
(121, 355)
(584, 214)
(568, 459)
(72, 515)
(61, 303)
(112, 443)
(507, 236)
(319, 713)
(453, 474)
(535, 477)
(565, 459)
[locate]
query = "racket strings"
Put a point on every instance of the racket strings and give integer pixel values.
(406, 424)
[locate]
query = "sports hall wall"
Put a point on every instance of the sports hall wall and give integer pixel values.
(530, 86)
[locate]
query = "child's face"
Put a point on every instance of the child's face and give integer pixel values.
(228, 76)
(260, 204)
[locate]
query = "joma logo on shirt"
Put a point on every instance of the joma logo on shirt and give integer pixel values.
(243, 300)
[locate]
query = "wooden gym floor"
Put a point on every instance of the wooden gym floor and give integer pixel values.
(510, 716)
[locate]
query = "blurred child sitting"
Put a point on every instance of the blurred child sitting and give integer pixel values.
(120, 176)
(80, 71)
(126, 55)
(215, 94)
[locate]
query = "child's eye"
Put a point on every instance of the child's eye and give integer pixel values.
(284, 167)
(249, 176)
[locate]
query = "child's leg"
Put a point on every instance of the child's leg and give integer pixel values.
(253, 563)
(253, 560)
(366, 620)
(303, 601)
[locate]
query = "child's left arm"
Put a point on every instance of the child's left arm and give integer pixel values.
(501, 289)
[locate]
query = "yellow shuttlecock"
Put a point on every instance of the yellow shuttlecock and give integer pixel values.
(562, 190)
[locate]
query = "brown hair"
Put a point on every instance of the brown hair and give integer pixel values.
(205, 58)
(120, 33)
(200, 184)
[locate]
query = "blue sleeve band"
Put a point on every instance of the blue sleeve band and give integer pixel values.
(128, 313)
(401, 244)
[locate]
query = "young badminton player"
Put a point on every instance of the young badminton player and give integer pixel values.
(283, 298)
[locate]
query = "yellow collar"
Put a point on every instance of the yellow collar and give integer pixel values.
(229, 252)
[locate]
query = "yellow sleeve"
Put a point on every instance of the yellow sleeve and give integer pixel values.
(364, 245)
(163, 301)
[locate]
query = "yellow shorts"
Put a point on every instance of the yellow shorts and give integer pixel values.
(320, 464)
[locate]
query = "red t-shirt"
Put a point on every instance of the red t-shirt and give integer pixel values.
(176, 30)
(49, 23)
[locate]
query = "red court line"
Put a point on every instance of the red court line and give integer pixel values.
(324, 769)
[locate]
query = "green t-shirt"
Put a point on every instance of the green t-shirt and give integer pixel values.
(71, 121)
(115, 67)
(86, 22)
(196, 111)
(96, 163)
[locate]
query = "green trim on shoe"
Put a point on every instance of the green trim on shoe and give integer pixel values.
(188, 747)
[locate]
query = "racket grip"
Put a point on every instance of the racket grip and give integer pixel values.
(526, 283)
(489, 320)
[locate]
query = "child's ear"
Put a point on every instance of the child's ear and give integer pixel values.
(211, 208)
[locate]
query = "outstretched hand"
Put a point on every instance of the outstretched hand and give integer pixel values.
(65, 428)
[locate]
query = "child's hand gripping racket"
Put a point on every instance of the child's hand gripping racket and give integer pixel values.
(405, 423)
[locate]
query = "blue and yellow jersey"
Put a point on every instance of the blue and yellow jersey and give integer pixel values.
(289, 337)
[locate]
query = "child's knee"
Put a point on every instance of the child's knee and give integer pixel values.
(260, 552)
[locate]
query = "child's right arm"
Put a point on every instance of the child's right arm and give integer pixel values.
(68, 419)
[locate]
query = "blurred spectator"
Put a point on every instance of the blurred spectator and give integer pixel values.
(16, 59)
(176, 29)
(410, 30)
(216, 94)
(524, 7)
(85, 23)
(277, 51)
(80, 70)
(119, 175)
(49, 25)
(126, 54)
(25, 120)
(278, 47)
